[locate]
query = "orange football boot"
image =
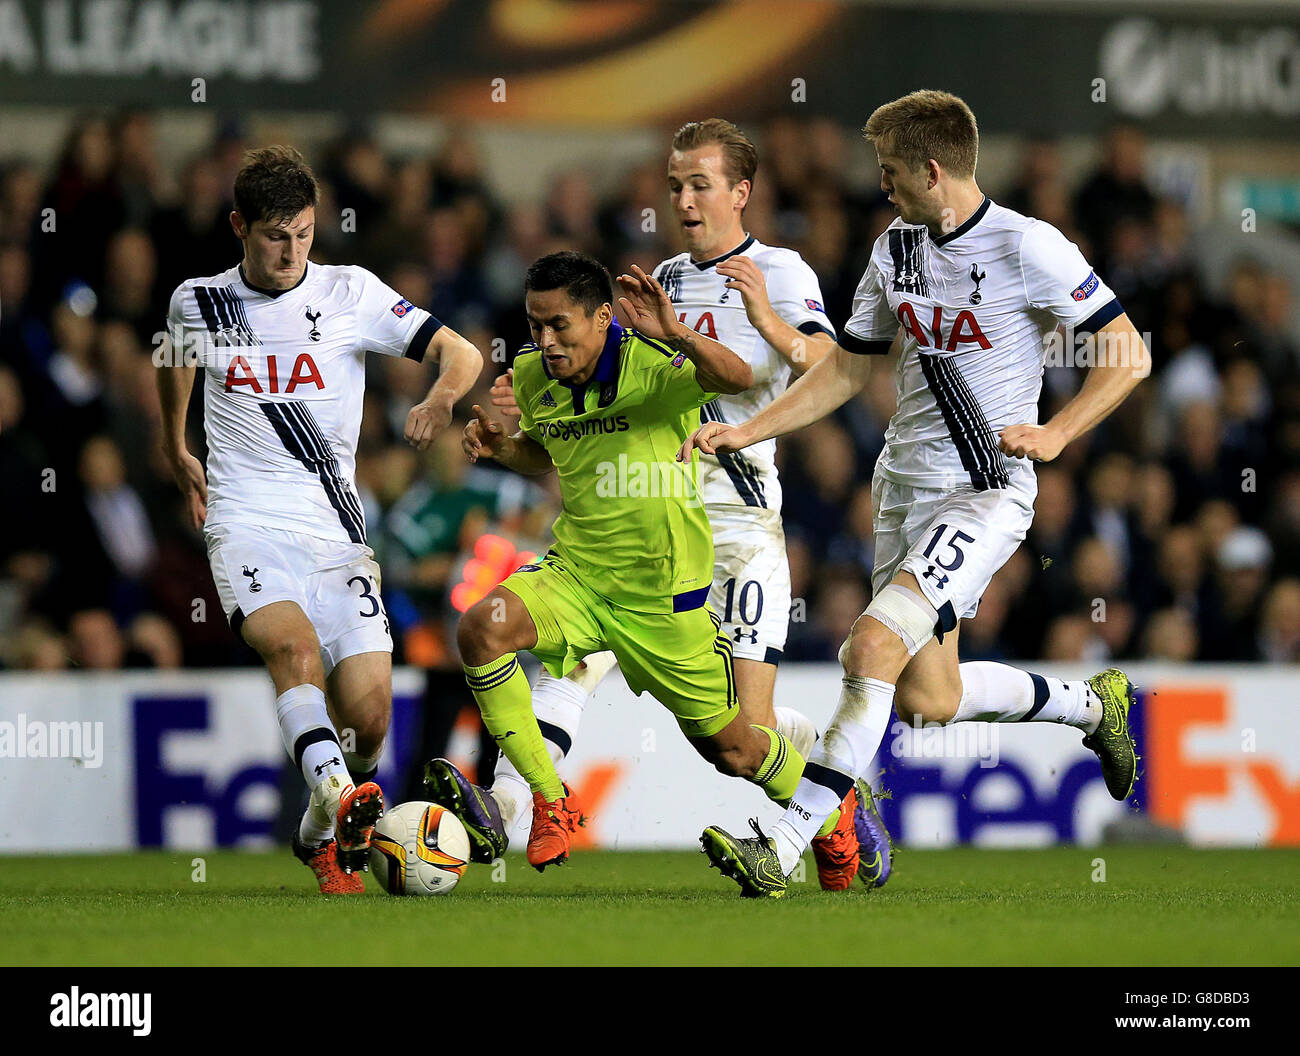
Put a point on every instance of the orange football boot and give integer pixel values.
(836, 853)
(553, 826)
(324, 862)
(359, 809)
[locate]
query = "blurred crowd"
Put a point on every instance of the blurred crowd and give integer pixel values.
(1173, 531)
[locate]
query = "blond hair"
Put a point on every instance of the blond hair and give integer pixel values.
(924, 125)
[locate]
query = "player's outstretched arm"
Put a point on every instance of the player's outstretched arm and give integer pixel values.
(1122, 361)
(484, 438)
(175, 382)
(812, 397)
(802, 351)
(459, 364)
(647, 307)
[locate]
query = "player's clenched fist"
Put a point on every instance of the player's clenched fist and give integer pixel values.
(1030, 441)
(712, 438)
(482, 436)
(503, 394)
(193, 482)
(744, 275)
(425, 421)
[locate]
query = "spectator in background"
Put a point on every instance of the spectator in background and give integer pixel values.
(1171, 635)
(1230, 626)
(1210, 449)
(1280, 625)
(87, 208)
(194, 236)
(1116, 192)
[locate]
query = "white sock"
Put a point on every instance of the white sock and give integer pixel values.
(309, 738)
(796, 728)
(1001, 693)
(362, 767)
(558, 704)
(842, 755)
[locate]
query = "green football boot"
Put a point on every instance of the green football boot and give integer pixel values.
(752, 863)
(1112, 741)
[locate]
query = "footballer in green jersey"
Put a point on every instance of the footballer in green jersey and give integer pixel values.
(608, 408)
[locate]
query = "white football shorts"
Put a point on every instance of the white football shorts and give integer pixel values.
(335, 583)
(751, 580)
(952, 540)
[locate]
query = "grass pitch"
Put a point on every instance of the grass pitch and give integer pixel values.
(1157, 906)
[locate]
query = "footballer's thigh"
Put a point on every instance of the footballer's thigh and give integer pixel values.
(543, 608)
(286, 641)
(751, 596)
(260, 576)
(684, 661)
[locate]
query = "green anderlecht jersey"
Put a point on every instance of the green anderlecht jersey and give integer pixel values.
(632, 522)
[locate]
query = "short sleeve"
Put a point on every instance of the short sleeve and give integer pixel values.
(176, 317)
(1060, 281)
(796, 297)
(389, 324)
(872, 327)
(180, 325)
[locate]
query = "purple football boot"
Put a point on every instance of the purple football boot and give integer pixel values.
(876, 849)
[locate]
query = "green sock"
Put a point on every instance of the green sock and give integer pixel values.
(505, 701)
(783, 766)
(779, 775)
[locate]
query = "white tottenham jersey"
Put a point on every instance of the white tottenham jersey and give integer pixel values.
(284, 380)
(704, 303)
(975, 306)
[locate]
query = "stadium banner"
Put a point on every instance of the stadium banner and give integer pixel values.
(1197, 73)
(192, 760)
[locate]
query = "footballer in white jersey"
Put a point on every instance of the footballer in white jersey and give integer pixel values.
(969, 293)
(741, 490)
(282, 344)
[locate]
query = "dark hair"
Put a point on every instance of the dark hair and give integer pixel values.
(739, 155)
(582, 277)
(274, 184)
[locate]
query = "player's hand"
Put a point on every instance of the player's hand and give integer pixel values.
(503, 395)
(744, 275)
(193, 482)
(646, 306)
(425, 421)
(714, 438)
(1038, 442)
(483, 437)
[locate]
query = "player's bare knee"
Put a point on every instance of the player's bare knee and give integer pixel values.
(923, 704)
(295, 661)
(481, 636)
(869, 643)
(738, 761)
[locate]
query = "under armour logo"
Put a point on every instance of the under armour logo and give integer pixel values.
(753, 635)
(336, 761)
(254, 586)
(940, 580)
(723, 298)
(311, 318)
(976, 276)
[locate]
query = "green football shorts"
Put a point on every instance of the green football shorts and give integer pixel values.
(679, 658)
